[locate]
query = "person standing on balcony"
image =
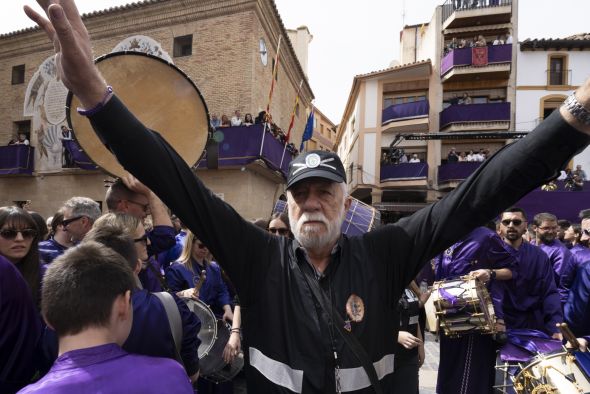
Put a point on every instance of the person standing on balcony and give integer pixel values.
(236, 120)
(481, 41)
(414, 159)
(452, 156)
(215, 122)
(508, 39)
(581, 173)
(498, 41)
(466, 99)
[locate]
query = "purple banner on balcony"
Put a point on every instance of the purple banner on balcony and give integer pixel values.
(79, 157)
(490, 112)
(403, 171)
(456, 171)
(402, 111)
(239, 146)
(16, 159)
(463, 57)
(563, 203)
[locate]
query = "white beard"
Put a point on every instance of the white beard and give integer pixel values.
(312, 236)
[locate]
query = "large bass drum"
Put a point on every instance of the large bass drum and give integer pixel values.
(214, 335)
(159, 94)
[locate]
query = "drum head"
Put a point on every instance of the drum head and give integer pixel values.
(161, 96)
(208, 331)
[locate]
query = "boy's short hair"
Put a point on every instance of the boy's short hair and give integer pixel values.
(80, 286)
(114, 237)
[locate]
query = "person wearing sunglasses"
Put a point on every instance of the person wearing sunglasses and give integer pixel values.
(130, 196)
(79, 215)
(279, 225)
(580, 251)
(19, 244)
(183, 275)
(58, 242)
(530, 299)
(562, 261)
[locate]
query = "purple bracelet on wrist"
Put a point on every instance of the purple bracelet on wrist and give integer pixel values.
(97, 107)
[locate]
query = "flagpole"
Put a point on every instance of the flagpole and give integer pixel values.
(291, 122)
(272, 85)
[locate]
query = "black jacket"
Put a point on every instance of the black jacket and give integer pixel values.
(290, 345)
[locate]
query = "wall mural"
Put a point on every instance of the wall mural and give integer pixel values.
(143, 44)
(45, 102)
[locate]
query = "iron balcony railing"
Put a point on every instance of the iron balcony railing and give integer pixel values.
(556, 78)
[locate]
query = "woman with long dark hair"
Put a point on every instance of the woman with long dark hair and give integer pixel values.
(19, 239)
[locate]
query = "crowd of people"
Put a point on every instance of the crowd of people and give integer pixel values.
(467, 156)
(477, 41)
(323, 312)
(236, 120)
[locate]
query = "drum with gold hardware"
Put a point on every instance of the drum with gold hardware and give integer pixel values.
(159, 94)
(463, 306)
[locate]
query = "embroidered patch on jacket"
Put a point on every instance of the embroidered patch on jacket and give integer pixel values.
(355, 308)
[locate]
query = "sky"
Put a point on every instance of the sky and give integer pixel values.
(351, 39)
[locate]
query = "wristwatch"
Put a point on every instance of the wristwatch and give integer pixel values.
(577, 110)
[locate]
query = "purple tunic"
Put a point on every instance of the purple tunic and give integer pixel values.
(50, 250)
(581, 254)
(563, 265)
(530, 299)
(161, 239)
(20, 329)
(467, 363)
(109, 369)
(577, 308)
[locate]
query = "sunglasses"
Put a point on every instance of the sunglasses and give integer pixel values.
(280, 231)
(143, 239)
(10, 234)
(65, 222)
(587, 232)
(516, 222)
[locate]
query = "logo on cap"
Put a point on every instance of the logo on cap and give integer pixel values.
(313, 160)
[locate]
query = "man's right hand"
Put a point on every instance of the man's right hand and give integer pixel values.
(73, 51)
(407, 340)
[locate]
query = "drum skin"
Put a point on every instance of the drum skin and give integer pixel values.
(160, 95)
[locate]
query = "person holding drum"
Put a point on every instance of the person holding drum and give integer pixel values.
(577, 307)
(467, 358)
(300, 296)
(194, 276)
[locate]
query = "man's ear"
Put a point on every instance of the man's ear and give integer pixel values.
(122, 306)
(137, 269)
(347, 202)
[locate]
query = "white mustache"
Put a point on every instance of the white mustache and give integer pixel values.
(312, 217)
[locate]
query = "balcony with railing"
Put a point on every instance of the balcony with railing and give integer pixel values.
(17, 159)
(461, 63)
(240, 146)
(462, 13)
(456, 172)
(404, 172)
(411, 116)
(464, 117)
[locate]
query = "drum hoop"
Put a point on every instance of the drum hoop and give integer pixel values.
(70, 96)
(210, 312)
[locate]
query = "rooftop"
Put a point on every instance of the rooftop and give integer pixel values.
(576, 41)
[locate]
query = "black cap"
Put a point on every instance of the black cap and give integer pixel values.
(316, 164)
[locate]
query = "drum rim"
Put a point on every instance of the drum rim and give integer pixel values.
(100, 58)
(538, 359)
(215, 334)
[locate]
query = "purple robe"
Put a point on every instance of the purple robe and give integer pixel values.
(577, 308)
(50, 250)
(530, 299)
(581, 254)
(467, 363)
(161, 239)
(563, 265)
(109, 369)
(20, 329)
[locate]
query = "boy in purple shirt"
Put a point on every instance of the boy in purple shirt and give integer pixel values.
(87, 301)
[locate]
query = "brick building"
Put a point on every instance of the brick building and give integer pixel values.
(226, 47)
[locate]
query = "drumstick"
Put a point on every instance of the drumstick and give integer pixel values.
(569, 335)
(199, 283)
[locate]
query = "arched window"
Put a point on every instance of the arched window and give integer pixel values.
(550, 103)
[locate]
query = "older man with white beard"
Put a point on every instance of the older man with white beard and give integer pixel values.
(319, 310)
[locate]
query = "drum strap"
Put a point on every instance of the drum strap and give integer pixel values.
(174, 320)
(349, 338)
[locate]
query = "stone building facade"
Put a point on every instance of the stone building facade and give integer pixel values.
(226, 47)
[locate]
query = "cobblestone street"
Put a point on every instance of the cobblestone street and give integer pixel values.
(430, 367)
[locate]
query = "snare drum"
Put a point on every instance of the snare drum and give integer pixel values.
(214, 335)
(552, 373)
(463, 306)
